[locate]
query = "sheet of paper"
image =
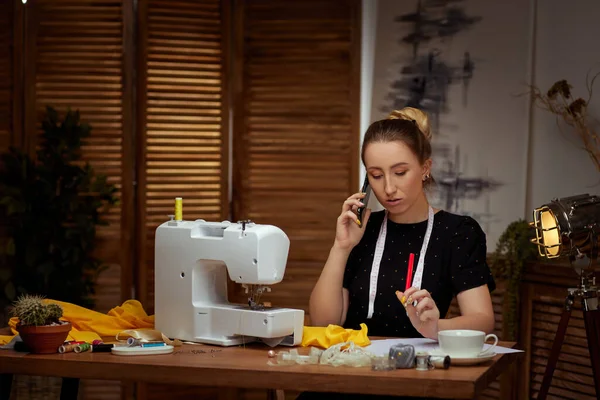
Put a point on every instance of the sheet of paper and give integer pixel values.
(382, 347)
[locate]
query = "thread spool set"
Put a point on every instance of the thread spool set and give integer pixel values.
(403, 356)
(97, 346)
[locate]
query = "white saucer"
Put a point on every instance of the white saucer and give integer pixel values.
(458, 360)
(141, 351)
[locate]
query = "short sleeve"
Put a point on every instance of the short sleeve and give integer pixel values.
(468, 258)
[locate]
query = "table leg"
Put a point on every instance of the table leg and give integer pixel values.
(69, 389)
(5, 386)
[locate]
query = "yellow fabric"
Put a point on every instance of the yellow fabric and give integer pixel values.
(130, 317)
(334, 334)
(89, 325)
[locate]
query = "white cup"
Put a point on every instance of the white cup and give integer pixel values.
(465, 343)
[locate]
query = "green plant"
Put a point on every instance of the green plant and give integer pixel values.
(55, 311)
(51, 206)
(513, 251)
(32, 311)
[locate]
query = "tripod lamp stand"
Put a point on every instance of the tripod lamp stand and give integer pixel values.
(570, 227)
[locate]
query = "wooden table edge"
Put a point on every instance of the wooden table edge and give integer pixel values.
(385, 383)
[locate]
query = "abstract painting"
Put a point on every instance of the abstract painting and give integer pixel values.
(428, 56)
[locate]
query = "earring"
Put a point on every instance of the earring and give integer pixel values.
(425, 177)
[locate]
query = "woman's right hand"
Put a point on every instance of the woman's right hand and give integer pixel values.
(348, 232)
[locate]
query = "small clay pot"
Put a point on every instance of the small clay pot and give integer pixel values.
(44, 339)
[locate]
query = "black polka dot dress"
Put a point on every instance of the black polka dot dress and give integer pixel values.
(455, 261)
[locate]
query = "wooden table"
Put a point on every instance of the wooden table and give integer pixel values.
(246, 367)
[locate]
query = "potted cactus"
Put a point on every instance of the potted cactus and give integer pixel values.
(40, 325)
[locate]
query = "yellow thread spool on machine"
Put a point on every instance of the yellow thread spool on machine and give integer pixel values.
(178, 209)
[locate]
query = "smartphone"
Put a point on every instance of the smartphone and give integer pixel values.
(365, 200)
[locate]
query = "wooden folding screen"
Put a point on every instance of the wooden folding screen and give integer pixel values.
(294, 78)
(183, 120)
(295, 139)
(296, 126)
(80, 57)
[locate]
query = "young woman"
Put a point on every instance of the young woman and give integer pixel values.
(364, 278)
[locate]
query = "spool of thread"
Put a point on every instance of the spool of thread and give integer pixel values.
(97, 341)
(133, 341)
(441, 362)
(101, 348)
(422, 361)
(80, 348)
(178, 209)
(67, 348)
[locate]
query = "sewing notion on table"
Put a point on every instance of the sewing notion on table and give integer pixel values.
(192, 262)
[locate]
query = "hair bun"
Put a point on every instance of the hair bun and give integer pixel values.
(415, 115)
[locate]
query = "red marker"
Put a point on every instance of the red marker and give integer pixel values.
(411, 261)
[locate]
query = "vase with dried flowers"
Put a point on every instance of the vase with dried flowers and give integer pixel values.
(573, 111)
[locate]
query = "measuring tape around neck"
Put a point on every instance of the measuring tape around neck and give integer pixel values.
(379, 254)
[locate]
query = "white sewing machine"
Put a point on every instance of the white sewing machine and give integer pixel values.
(192, 261)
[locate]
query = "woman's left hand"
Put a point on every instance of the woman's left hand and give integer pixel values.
(425, 315)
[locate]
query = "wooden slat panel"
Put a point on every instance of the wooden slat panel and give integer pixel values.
(545, 285)
(185, 132)
(79, 65)
(573, 377)
(6, 73)
(183, 146)
(296, 132)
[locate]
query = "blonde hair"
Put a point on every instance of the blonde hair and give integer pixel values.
(416, 115)
(408, 125)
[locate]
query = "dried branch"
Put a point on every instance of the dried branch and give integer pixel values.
(572, 111)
